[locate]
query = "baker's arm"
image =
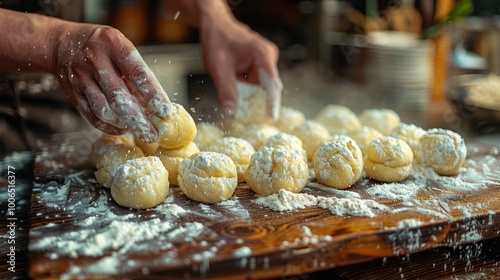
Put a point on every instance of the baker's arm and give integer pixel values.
(232, 51)
(100, 70)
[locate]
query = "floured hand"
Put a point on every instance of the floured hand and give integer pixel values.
(232, 52)
(108, 81)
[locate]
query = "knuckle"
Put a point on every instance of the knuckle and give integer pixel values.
(138, 74)
(107, 34)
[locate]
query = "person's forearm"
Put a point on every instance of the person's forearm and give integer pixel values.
(26, 42)
(199, 13)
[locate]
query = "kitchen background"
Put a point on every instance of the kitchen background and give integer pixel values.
(331, 52)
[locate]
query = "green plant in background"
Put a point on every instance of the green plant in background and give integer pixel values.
(461, 9)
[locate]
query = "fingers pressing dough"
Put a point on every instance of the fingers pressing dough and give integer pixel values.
(177, 130)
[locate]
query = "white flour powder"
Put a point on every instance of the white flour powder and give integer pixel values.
(288, 201)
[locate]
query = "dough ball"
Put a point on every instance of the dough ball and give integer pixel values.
(208, 177)
(231, 128)
(100, 146)
(273, 169)
(338, 119)
(383, 120)
(289, 119)
(312, 134)
(258, 134)
(238, 149)
(388, 159)
(140, 183)
(109, 162)
(251, 104)
(172, 158)
(206, 135)
(363, 136)
(443, 150)
(409, 133)
(288, 141)
(149, 149)
(338, 163)
(177, 130)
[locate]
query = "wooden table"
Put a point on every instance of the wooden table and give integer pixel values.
(240, 239)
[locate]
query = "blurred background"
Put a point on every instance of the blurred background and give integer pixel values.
(407, 55)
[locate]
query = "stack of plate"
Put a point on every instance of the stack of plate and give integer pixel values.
(400, 69)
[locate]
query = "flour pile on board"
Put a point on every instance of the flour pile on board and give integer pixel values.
(288, 201)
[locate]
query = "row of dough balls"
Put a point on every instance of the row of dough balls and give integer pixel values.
(387, 147)
(267, 159)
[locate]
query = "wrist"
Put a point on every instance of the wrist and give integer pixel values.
(214, 12)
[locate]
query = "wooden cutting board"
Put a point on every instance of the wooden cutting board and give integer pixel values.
(77, 230)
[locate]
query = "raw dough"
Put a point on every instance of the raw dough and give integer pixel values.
(338, 119)
(289, 119)
(409, 133)
(251, 104)
(140, 183)
(108, 163)
(288, 141)
(208, 177)
(312, 134)
(388, 159)
(338, 163)
(273, 169)
(100, 146)
(177, 130)
(383, 120)
(258, 134)
(363, 136)
(443, 150)
(238, 149)
(149, 149)
(206, 135)
(172, 158)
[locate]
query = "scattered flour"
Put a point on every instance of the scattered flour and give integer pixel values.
(118, 236)
(409, 223)
(343, 193)
(242, 252)
(346, 206)
(235, 207)
(395, 191)
(424, 211)
(288, 201)
(477, 176)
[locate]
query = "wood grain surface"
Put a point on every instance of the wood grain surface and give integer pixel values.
(240, 239)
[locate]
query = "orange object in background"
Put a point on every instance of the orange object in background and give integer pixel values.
(441, 51)
(170, 31)
(131, 18)
(440, 62)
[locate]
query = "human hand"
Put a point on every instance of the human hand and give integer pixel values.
(108, 81)
(232, 51)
